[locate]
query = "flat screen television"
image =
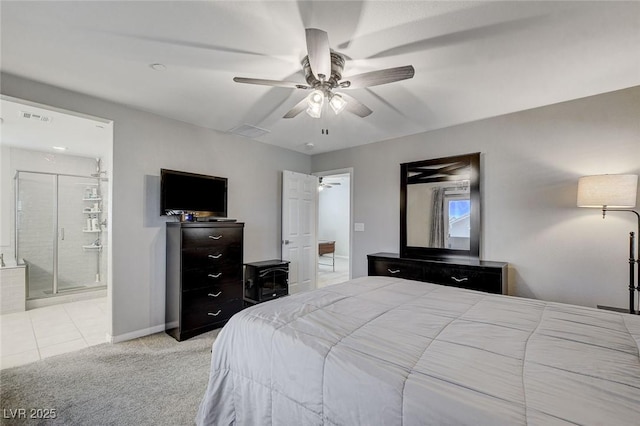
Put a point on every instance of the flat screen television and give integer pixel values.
(191, 192)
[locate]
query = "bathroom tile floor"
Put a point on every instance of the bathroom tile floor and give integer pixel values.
(53, 330)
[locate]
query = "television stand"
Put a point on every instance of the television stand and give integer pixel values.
(215, 219)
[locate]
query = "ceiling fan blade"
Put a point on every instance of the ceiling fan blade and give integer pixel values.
(319, 53)
(318, 13)
(376, 78)
(356, 107)
(276, 83)
(300, 106)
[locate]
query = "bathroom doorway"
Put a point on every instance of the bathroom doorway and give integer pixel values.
(334, 226)
(55, 230)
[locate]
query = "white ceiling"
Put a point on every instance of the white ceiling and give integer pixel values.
(472, 59)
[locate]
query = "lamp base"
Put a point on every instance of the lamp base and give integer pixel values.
(613, 308)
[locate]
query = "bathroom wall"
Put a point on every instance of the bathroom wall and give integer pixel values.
(6, 192)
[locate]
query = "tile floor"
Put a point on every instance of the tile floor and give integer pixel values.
(53, 330)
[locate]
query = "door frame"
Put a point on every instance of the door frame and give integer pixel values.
(349, 171)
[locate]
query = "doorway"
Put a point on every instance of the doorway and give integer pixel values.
(334, 226)
(55, 229)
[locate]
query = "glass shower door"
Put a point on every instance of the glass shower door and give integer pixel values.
(35, 230)
(78, 233)
(59, 232)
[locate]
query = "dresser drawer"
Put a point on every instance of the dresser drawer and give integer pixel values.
(211, 237)
(397, 269)
(211, 257)
(227, 273)
(460, 276)
(199, 309)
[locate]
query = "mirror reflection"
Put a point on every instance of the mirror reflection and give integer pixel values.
(440, 207)
(439, 215)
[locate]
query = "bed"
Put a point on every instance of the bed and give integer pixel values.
(388, 351)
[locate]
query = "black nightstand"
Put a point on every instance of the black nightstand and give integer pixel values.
(265, 280)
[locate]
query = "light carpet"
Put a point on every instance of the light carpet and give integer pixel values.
(153, 380)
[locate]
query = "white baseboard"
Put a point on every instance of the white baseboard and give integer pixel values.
(135, 334)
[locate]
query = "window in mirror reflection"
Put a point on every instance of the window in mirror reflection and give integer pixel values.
(438, 214)
(458, 221)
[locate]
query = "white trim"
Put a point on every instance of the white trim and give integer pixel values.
(135, 334)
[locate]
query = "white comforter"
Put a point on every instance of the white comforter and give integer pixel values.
(387, 351)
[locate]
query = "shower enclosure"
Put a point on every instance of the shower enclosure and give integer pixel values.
(60, 227)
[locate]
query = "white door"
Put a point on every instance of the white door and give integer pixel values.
(299, 235)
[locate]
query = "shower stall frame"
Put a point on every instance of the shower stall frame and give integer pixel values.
(55, 220)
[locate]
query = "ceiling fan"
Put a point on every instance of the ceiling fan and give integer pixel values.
(323, 72)
(323, 184)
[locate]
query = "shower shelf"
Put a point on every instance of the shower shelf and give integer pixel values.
(91, 231)
(92, 211)
(92, 247)
(92, 199)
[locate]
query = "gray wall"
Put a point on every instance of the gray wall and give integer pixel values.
(531, 164)
(144, 143)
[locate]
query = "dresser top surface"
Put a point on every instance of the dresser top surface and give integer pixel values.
(267, 263)
(452, 261)
(221, 224)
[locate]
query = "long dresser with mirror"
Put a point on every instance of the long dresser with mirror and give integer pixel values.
(440, 227)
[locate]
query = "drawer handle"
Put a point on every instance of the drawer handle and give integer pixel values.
(215, 295)
(393, 271)
(215, 256)
(214, 275)
(216, 314)
(215, 237)
(460, 280)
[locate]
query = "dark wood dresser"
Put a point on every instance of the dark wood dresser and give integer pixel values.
(473, 274)
(204, 276)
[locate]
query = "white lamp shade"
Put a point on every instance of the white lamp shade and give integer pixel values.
(614, 191)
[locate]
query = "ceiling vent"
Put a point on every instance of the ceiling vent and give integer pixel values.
(249, 131)
(35, 117)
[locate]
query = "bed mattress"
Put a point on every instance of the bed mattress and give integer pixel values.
(388, 351)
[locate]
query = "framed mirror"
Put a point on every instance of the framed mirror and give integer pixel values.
(440, 207)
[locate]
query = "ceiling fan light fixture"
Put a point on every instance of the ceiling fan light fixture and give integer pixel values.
(337, 103)
(314, 111)
(315, 100)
